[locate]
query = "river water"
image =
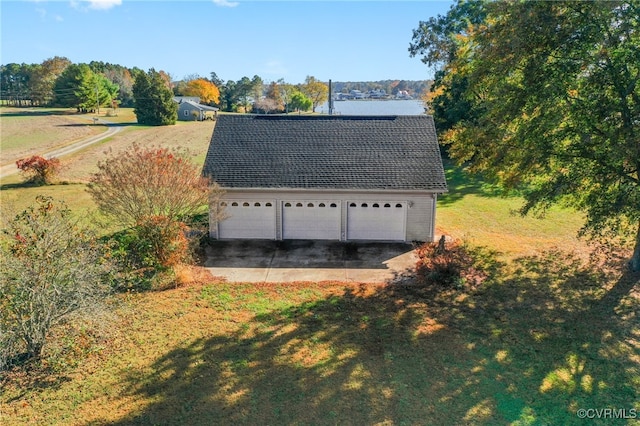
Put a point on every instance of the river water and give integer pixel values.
(370, 107)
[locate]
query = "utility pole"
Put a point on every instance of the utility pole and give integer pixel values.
(97, 100)
(330, 99)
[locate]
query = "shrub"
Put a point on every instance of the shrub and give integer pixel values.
(448, 264)
(156, 194)
(148, 252)
(51, 269)
(39, 170)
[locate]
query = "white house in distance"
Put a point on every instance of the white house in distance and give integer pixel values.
(326, 177)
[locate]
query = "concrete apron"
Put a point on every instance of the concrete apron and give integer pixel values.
(289, 261)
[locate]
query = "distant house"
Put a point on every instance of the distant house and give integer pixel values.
(190, 109)
(345, 178)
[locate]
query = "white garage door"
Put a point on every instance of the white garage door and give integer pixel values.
(376, 220)
(317, 220)
(248, 219)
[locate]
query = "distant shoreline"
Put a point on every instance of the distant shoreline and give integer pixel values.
(375, 100)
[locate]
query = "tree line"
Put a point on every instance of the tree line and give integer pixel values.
(59, 82)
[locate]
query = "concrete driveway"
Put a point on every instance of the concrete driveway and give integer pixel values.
(288, 261)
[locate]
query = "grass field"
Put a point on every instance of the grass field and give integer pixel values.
(37, 130)
(546, 334)
(77, 167)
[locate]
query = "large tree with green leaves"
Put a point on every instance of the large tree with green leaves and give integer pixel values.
(553, 90)
(79, 87)
(154, 104)
(299, 102)
(438, 40)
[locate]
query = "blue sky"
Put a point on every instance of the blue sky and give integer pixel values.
(338, 40)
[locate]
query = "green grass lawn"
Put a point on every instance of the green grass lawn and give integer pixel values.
(476, 212)
(548, 332)
(542, 339)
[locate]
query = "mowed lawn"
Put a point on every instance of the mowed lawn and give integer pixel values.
(549, 332)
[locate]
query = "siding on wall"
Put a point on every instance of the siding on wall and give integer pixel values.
(189, 108)
(420, 219)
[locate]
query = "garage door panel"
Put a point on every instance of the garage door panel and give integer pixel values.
(248, 220)
(376, 220)
(317, 220)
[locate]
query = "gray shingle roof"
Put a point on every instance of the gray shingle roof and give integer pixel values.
(199, 106)
(326, 152)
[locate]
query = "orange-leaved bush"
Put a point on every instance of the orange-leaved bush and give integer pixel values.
(144, 182)
(157, 194)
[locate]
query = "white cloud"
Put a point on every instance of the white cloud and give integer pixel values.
(96, 4)
(225, 3)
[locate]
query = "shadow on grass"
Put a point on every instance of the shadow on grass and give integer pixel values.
(34, 112)
(103, 124)
(537, 341)
(30, 184)
(19, 185)
(31, 377)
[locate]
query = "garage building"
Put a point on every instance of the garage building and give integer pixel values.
(326, 177)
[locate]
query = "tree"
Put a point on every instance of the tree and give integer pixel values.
(286, 93)
(300, 102)
(553, 87)
(215, 79)
(265, 106)
(225, 92)
(107, 91)
(121, 77)
(228, 100)
(257, 88)
(154, 104)
(315, 90)
(205, 90)
(243, 92)
(439, 39)
(51, 269)
(79, 87)
(15, 83)
(39, 170)
(273, 93)
(73, 85)
(44, 79)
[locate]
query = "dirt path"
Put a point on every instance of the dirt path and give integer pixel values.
(112, 129)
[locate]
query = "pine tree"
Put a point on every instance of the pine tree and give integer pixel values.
(154, 104)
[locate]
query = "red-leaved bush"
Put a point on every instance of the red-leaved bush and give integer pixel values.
(39, 170)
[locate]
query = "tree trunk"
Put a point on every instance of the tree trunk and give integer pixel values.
(634, 263)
